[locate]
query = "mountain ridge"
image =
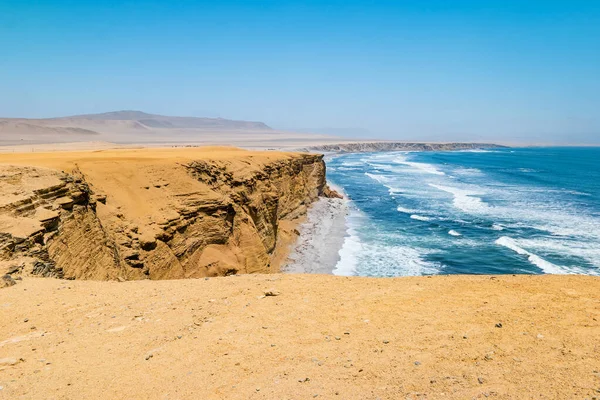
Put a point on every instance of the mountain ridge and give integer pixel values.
(151, 120)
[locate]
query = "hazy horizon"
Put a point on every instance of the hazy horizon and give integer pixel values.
(502, 71)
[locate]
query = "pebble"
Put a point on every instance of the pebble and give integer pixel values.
(417, 362)
(26, 320)
(338, 338)
(499, 325)
(480, 380)
(272, 292)
(386, 341)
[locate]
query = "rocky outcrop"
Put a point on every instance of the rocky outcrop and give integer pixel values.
(363, 147)
(166, 220)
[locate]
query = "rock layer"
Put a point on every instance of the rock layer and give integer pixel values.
(172, 214)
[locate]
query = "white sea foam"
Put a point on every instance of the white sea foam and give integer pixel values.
(378, 178)
(468, 171)
(422, 167)
(349, 252)
(406, 210)
(497, 227)
(374, 259)
(536, 260)
(452, 232)
(384, 260)
(352, 246)
(420, 217)
(352, 163)
(464, 200)
(385, 181)
(585, 250)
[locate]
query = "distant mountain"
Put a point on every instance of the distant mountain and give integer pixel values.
(24, 129)
(168, 122)
(124, 127)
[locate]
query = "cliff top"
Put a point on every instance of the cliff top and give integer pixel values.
(454, 337)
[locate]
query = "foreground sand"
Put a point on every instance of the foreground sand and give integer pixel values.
(322, 336)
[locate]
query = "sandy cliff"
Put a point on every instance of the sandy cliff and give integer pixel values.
(158, 214)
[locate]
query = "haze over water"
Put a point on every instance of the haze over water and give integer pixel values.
(507, 211)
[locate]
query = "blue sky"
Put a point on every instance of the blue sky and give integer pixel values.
(442, 70)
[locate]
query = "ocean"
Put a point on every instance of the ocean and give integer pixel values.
(501, 211)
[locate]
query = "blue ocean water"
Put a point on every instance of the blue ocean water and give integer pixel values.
(507, 211)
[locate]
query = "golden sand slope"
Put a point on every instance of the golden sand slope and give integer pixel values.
(324, 336)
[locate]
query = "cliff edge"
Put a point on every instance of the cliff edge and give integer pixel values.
(152, 213)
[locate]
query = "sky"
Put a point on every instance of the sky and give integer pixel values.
(408, 70)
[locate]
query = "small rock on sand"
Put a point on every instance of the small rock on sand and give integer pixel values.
(7, 281)
(272, 292)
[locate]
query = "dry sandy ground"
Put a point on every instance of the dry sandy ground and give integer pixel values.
(322, 336)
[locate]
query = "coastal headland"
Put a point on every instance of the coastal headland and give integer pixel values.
(95, 243)
(153, 213)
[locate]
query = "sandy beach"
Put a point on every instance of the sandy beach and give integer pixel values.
(321, 237)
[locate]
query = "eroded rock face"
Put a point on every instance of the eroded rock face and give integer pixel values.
(163, 220)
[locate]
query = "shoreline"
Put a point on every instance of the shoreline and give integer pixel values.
(322, 236)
